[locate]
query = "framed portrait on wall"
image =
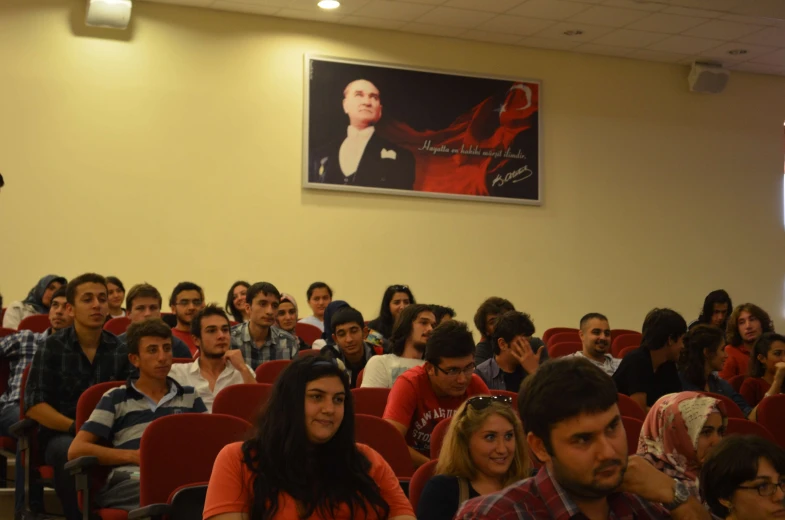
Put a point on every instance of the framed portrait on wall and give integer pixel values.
(380, 128)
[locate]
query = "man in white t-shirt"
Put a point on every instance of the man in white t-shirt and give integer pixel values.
(217, 366)
(595, 335)
(407, 340)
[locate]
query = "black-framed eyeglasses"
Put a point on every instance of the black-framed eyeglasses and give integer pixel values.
(399, 287)
(455, 372)
(481, 402)
(767, 489)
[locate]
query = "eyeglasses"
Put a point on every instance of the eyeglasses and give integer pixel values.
(399, 287)
(455, 372)
(184, 303)
(767, 489)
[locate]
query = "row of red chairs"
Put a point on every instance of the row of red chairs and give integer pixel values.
(567, 343)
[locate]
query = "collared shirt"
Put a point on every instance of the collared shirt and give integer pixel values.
(279, 345)
(60, 371)
(190, 374)
(18, 349)
(493, 376)
(718, 386)
(608, 365)
(541, 497)
(179, 348)
(352, 149)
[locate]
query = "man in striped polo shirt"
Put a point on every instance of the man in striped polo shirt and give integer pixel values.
(124, 412)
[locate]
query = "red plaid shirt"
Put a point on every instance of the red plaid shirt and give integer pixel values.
(541, 497)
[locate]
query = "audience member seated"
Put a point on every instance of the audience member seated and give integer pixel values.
(747, 323)
(396, 298)
(235, 301)
(259, 339)
(484, 451)
(649, 372)
(186, 300)
(716, 308)
(37, 302)
(703, 355)
(485, 321)
(286, 318)
(63, 367)
(123, 413)
(744, 479)
(425, 395)
(217, 366)
(144, 303)
(514, 358)
(18, 349)
(442, 313)
(572, 421)
(767, 369)
(595, 333)
(407, 343)
(116, 297)
(679, 432)
(319, 297)
(327, 333)
(302, 461)
(349, 332)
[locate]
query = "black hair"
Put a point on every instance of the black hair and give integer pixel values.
(660, 326)
(346, 315)
(440, 311)
(184, 286)
(318, 285)
(384, 321)
(493, 305)
(762, 347)
(731, 463)
(235, 313)
(714, 297)
(115, 281)
(153, 327)
(73, 285)
(451, 339)
(732, 334)
(592, 316)
(208, 310)
(60, 292)
(323, 478)
(508, 326)
(403, 327)
(693, 359)
(266, 288)
(560, 389)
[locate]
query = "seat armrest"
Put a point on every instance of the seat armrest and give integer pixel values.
(81, 464)
(151, 511)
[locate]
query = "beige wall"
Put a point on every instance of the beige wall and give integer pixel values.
(176, 155)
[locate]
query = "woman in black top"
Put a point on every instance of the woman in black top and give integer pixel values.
(395, 299)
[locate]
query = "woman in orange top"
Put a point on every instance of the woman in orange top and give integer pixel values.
(302, 461)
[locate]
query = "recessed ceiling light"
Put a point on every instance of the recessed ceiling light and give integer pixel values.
(575, 32)
(737, 52)
(329, 4)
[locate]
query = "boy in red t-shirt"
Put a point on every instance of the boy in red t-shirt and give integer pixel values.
(422, 396)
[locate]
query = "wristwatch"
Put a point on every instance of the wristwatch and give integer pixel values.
(681, 493)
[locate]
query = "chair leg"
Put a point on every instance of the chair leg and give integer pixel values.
(3, 471)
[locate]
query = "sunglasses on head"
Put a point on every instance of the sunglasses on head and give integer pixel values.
(481, 402)
(399, 287)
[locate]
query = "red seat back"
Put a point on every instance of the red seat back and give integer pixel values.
(370, 401)
(36, 323)
(269, 372)
(731, 408)
(615, 333)
(437, 437)
(511, 395)
(770, 416)
(571, 336)
(244, 401)
(6, 332)
(629, 408)
(564, 348)
(632, 428)
(619, 343)
(117, 326)
(360, 378)
(625, 351)
(308, 352)
(745, 427)
(385, 439)
(180, 449)
(309, 333)
(736, 381)
(420, 477)
(555, 330)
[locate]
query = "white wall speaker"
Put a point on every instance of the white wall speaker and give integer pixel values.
(113, 14)
(710, 78)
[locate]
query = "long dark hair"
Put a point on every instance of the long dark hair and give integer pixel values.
(384, 322)
(693, 358)
(719, 296)
(762, 346)
(732, 334)
(321, 477)
(236, 314)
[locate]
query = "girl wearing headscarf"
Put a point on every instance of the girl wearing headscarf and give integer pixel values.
(679, 432)
(37, 302)
(286, 318)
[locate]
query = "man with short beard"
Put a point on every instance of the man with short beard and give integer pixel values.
(596, 338)
(569, 408)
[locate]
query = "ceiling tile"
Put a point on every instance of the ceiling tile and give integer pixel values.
(549, 9)
(244, 8)
(436, 30)
(494, 37)
(377, 23)
(317, 14)
(666, 23)
(189, 3)
(686, 11)
(635, 4)
(722, 52)
(515, 25)
(769, 36)
(451, 17)
(347, 6)
(610, 16)
(393, 10)
(549, 43)
(685, 44)
(649, 55)
(709, 5)
(631, 39)
(775, 58)
(605, 50)
(589, 1)
(750, 19)
(767, 8)
(427, 2)
(756, 67)
(494, 6)
(722, 30)
(589, 32)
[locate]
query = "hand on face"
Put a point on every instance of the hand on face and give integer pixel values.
(235, 357)
(523, 353)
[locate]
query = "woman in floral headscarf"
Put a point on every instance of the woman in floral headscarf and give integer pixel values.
(679, 432)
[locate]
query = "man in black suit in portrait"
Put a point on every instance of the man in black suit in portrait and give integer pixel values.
(363, 158)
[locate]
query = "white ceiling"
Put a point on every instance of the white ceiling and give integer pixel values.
(675, 31)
